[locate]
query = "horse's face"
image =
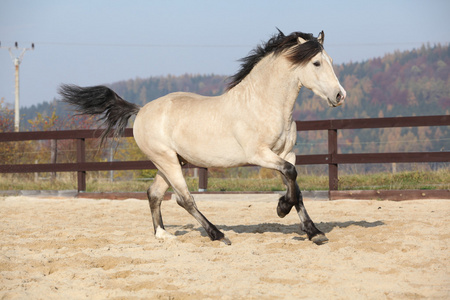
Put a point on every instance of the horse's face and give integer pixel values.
(318, 75)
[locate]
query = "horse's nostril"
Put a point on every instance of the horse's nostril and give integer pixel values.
(338, 97)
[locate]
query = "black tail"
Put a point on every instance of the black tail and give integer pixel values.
(100, 100)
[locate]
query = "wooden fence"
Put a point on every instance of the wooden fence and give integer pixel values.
(333, 159)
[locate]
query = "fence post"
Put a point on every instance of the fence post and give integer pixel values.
(53, 156)
(81, 158)
(332, 168)
(202, 179)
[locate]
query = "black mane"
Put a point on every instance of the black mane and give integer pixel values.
(297, 54)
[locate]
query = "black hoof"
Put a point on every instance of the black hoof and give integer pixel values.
(283, 208)
(319, 239)
(226, 241)
(217, 235)
(314, 234)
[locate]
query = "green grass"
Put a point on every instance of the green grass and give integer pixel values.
(399, 181)
(412, 180)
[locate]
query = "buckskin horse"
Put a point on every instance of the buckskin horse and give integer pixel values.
(250, 123)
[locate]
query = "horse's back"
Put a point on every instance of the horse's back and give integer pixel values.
(179, 110)
(198, 128)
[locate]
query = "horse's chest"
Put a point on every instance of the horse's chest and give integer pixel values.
(284, 141)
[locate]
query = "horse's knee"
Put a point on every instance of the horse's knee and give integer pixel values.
(289, 171)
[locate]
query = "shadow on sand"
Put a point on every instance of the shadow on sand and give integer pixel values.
(325, 227)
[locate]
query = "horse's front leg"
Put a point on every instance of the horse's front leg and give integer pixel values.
(308, 226)
(293, 195)
(294, 198)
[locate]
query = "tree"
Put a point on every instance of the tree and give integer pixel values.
(9, 151)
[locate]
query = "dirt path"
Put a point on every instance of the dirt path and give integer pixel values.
(98, 249)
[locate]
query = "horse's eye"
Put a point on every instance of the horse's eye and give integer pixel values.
(316, 63)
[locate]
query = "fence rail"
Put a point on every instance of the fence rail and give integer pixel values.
(333, 159)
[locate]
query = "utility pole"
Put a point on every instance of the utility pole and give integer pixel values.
(16, 61)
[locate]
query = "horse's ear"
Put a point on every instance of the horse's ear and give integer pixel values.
(301, 40)
(280, 32)
(321, 37)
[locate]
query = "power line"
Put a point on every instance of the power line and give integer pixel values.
(144, 45)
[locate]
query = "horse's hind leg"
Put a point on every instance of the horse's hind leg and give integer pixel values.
(155, 195)
(187, 202)
(172, 172)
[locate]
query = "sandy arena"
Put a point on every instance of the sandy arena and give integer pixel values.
(101, 249)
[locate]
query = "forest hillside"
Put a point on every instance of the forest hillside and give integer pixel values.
(408, 83)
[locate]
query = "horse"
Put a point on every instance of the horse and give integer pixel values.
(250, 123)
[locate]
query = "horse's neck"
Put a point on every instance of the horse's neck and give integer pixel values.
(269, 86)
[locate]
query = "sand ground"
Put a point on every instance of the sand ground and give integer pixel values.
(66, 248)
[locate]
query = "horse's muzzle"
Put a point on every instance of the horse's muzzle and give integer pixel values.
(339, 100)
(340, 97)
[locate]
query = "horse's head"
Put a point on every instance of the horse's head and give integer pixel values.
(315, 70)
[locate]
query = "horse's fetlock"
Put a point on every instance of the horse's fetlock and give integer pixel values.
(216, 235)
(310, 229)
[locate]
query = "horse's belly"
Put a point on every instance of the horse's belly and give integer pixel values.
(210, 152)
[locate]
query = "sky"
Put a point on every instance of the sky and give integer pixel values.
(91, 42)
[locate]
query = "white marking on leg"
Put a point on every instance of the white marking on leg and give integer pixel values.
(303, 214)
(163, 235)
